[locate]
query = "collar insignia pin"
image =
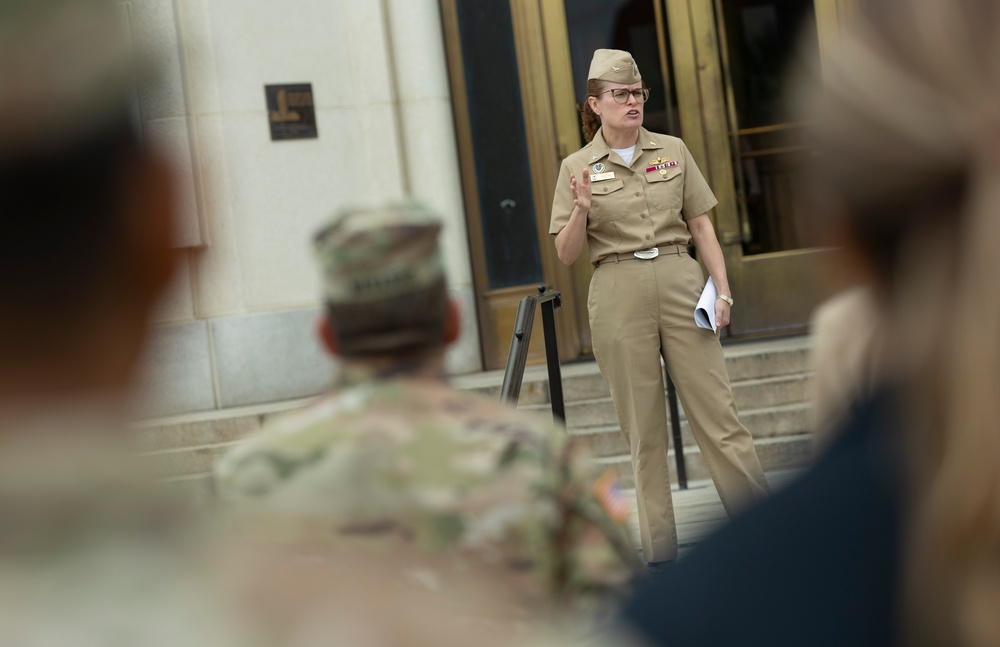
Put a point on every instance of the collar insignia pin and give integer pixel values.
(615, 69)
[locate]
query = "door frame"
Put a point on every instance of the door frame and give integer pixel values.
(497, 308)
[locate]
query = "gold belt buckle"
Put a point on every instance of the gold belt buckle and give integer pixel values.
(647, 254)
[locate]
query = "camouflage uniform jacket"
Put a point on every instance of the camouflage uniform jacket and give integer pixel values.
(405, 461)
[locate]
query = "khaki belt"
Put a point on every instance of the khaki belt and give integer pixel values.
(645, 254)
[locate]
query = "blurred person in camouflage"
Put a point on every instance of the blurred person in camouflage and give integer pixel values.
(394, 458)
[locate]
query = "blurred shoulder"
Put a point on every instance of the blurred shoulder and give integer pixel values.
(381, 419)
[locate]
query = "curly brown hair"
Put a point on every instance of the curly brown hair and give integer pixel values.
(591, 122)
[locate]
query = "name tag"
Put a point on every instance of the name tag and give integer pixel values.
(610, 175)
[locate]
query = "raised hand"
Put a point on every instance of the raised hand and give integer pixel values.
(581, 189)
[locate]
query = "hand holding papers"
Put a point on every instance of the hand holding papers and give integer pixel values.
(704, 312)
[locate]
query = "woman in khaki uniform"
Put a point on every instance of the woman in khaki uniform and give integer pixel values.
(638, 200)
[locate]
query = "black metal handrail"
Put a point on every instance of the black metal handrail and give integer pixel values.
(518, 355)
(675, 428)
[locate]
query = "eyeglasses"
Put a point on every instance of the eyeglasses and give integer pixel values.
(620, 95)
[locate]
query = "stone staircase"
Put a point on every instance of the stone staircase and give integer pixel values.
(769, 378)
(770, 383)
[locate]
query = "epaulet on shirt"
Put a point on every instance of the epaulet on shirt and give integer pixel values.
(664, 138)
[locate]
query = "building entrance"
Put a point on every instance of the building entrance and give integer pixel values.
(717, 71)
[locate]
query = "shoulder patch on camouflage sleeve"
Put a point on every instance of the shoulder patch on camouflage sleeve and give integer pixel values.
(608, 491)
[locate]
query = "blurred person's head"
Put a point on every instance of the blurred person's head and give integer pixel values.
(384, 284)
(88, 206)
(909, 125)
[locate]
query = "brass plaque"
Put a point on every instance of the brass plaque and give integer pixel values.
(290, 111)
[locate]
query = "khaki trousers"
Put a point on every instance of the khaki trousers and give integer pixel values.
(640, 310)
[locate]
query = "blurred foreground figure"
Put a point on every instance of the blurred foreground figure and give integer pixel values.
(893, 537)
(87, 556)
(394, 458)
(845, 358)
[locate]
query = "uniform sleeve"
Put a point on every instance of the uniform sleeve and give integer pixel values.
(698, 197)
(562, 201)
(594, 550)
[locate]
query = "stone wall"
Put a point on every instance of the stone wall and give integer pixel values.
(236, 328)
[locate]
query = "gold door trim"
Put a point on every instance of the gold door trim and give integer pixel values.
(540, 128)
(563, 104)
(470, 190)
(715, 121)
(687, 81)
(496, 308)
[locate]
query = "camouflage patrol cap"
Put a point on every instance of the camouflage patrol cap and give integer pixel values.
(614, 65)
(372, 254)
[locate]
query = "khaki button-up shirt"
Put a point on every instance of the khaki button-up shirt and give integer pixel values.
(639, 205)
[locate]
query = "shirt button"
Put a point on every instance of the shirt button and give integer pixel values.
(605, 189)
(637, 194)
(643, 216)
(647, 236)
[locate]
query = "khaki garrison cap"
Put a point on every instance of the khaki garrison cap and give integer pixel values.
(614, 65)
(372, 254)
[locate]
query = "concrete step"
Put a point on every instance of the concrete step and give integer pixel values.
(208, 428)
(780, 453)
(184, 461)
(759, 359)
(751, 360)
(749, 394)
(772, 422)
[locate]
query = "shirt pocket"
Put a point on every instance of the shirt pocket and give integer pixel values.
(667, 191)
(607, 201)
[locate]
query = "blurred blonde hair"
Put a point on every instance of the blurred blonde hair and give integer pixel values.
(910, 126)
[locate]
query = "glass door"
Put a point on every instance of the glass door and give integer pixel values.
(760, 45)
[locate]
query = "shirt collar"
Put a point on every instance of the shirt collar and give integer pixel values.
(599, 149)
